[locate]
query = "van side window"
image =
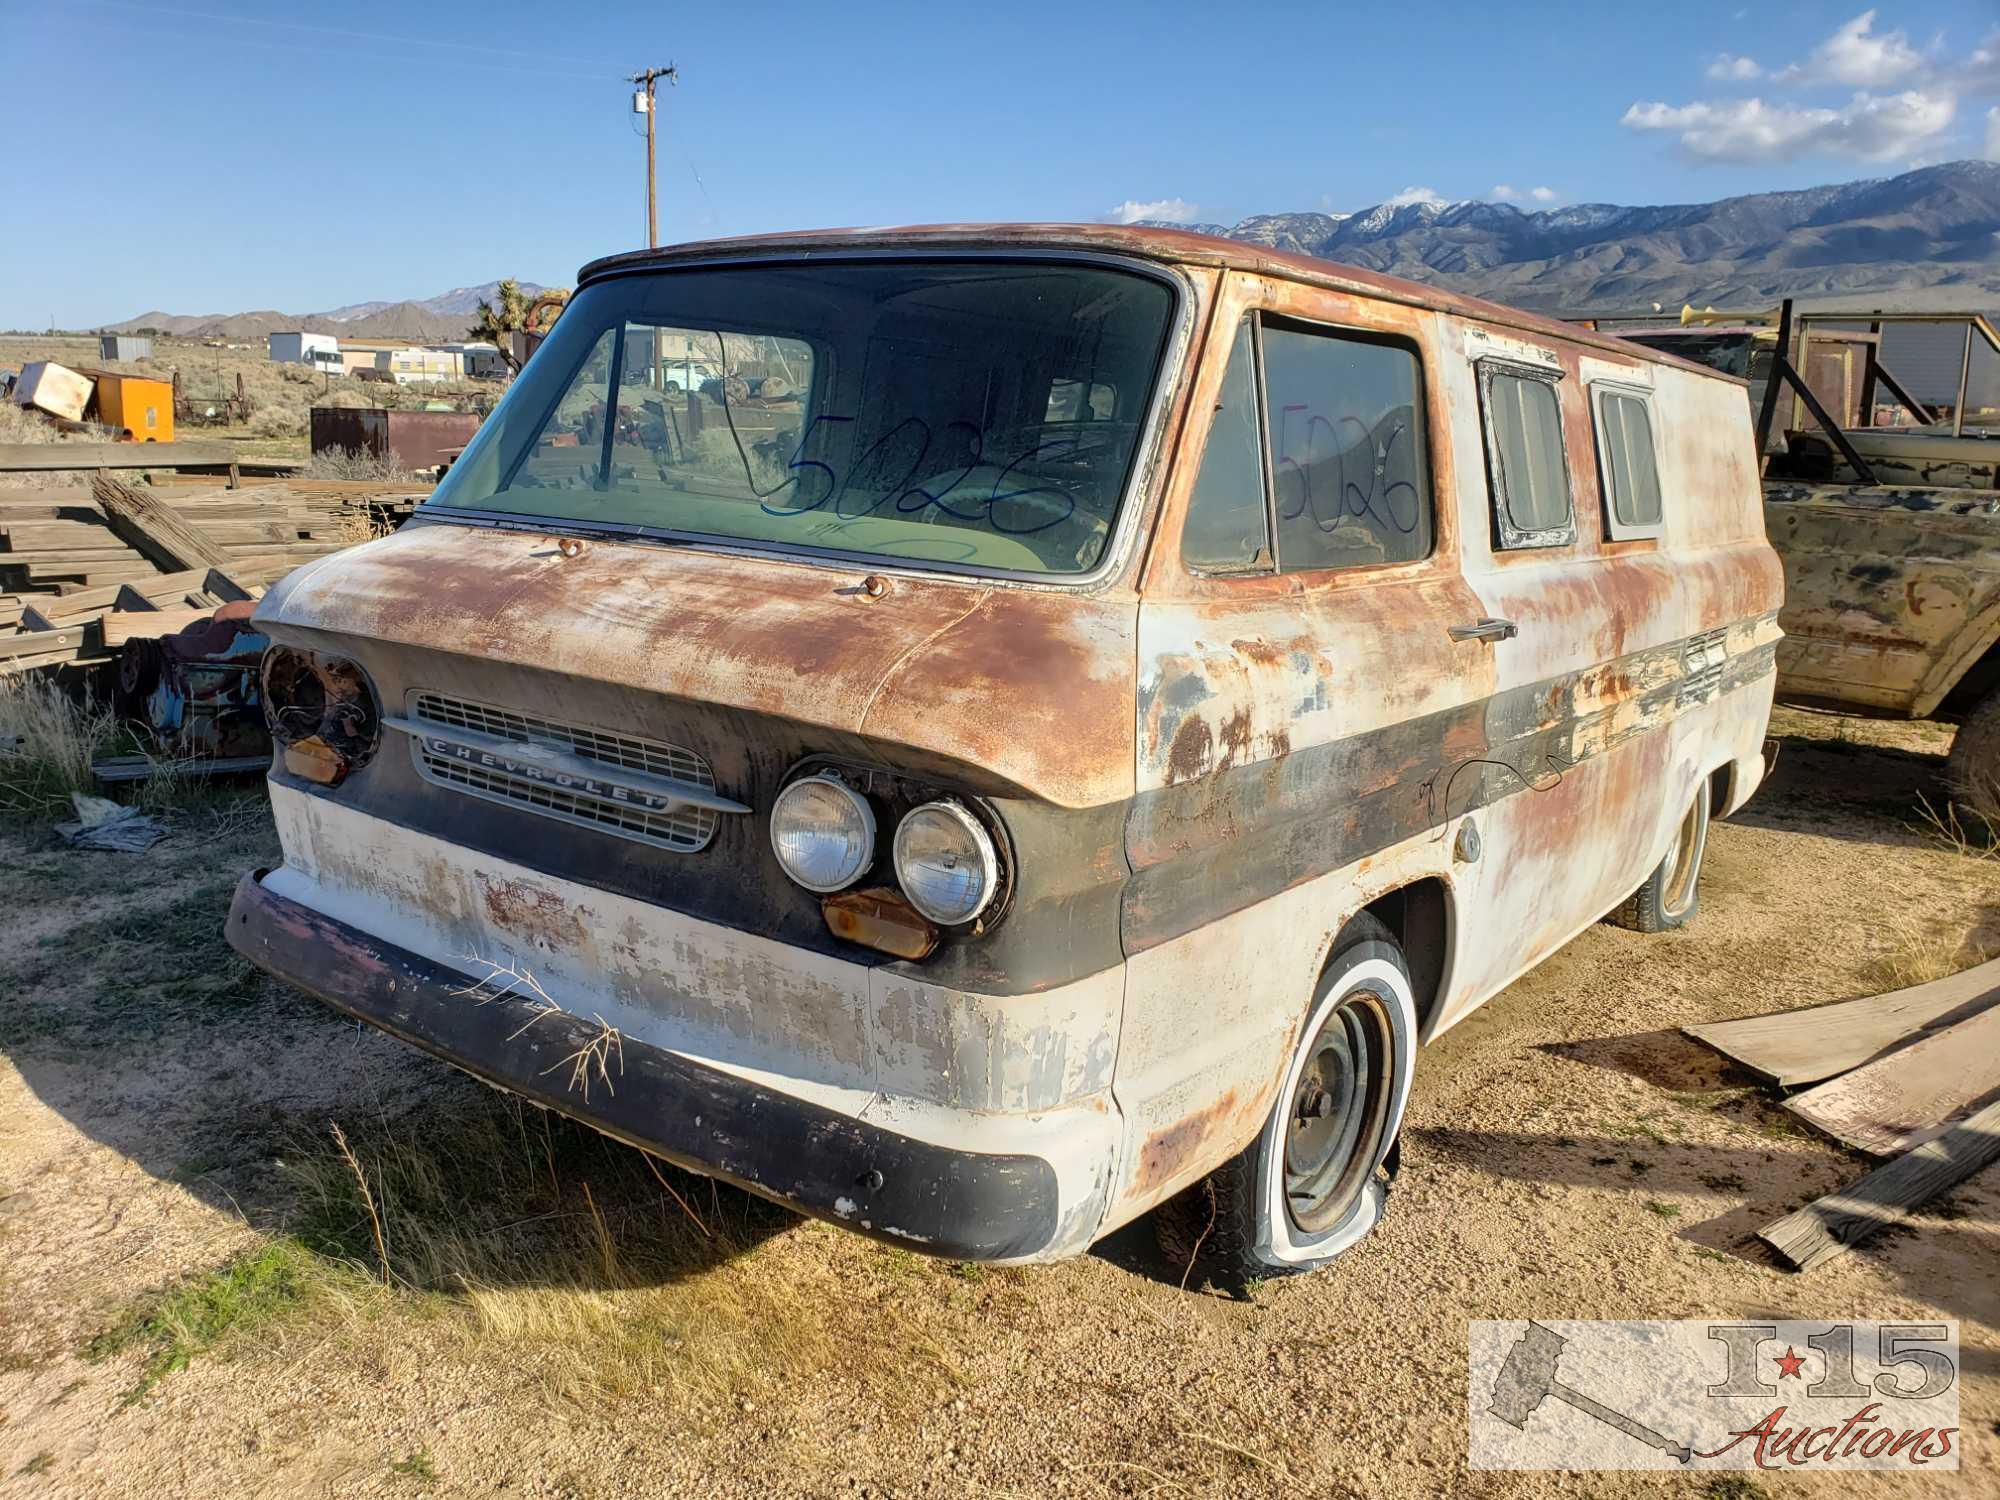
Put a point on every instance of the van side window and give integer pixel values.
(1524, 455)
(1228, 529)
(1627, 464)
(1350, 475)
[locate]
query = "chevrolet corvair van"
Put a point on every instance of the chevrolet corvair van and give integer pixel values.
(1061, 720)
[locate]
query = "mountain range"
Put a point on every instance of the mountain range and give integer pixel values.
(1926, 240)
(444, 317)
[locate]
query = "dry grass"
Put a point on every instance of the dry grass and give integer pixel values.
(49, 736)
(47, 739)
(553, 1249)
(1916, 951)
(357, 463)
(1958, 829)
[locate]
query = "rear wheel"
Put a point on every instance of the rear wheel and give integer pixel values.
(1671, 895)
(1314, 1181)
(1975, 762)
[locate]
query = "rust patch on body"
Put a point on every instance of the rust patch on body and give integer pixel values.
(1167, 1152)
(1191, 751)
(1235, 739)
(542, 917)
(1261, 652)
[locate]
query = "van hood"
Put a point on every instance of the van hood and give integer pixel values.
(1036, 686)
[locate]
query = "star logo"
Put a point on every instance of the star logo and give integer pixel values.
(1789, 1363)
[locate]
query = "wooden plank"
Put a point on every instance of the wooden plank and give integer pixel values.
(1795, 1047)
(42, 458)
(149, 524)
(1913, 1094)
(39, 642)
(1830, 1226)
(150, 624)
(223, 587)
(158, 586)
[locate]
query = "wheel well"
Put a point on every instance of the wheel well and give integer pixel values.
(1980, 679)
(1721, 787)
(1419, 915)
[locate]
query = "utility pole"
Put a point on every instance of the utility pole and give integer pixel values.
(642, 104)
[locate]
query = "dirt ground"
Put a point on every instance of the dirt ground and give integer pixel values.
(192, 1293)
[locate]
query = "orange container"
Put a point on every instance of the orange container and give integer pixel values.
(143, 407)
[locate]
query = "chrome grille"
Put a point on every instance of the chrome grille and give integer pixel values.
(685, 829)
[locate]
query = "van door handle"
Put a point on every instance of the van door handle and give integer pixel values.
(1485, 630)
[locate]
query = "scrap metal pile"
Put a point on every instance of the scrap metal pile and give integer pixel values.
(154, 585)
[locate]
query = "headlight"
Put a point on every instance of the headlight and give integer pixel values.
(945, 863)
(823, 833)
(322, 710)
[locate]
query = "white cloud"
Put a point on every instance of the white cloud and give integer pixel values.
(1502, 193)
(1859, 57)
(1411, 195)
(1542, 194)
(1729, 68)
(1981, 72)
(1166, 210)
(1870, 127)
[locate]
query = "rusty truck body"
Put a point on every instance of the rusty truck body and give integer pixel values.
(1062, 721)
(1884, 502)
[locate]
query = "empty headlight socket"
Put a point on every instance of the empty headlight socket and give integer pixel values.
(323, 711)
(893, 794)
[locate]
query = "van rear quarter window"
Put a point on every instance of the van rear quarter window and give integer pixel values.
(979, 413)
(1631, 473)
(1525, 461)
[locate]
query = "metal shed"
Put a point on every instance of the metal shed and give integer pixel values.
(124, 346)
(412, 439)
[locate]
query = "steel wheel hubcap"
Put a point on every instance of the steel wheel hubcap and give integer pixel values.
(1683, 861)
(1339, 1107)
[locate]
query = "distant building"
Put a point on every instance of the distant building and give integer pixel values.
(478, 361)
(124, 346)
(421, 366)
(320, 350)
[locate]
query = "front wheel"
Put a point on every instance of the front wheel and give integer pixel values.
(1671, 895)
(1314, 1181)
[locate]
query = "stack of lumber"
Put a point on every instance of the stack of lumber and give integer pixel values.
(1912, 1075)
(68, 556)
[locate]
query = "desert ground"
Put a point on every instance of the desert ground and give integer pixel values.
(197, 1296)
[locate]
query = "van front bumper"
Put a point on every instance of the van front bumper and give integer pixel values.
(941, 1200)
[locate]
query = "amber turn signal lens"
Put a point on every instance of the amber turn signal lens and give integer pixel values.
(880, 918)
(315, 760)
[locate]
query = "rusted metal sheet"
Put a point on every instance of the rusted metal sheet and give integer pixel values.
(1890, 593)
(411, 439)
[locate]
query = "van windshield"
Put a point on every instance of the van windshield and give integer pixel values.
(971, 412)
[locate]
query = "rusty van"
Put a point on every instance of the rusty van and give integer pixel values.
(1062, 720)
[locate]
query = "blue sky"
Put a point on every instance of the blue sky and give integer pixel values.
(223, 155)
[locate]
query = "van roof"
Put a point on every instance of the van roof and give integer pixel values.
(1170, 245)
